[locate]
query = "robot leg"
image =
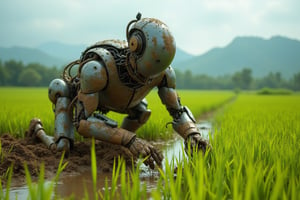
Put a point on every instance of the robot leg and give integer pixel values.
(137, 116)
(59, 95)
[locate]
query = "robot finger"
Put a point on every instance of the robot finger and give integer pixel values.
(150, 162)
(157, 156)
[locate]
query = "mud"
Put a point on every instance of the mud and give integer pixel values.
(16, 152)
(78, 171)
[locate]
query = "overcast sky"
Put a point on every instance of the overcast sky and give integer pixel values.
(198, 25)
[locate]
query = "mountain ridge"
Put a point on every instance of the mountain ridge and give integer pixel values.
(29, 55)
(262, 56)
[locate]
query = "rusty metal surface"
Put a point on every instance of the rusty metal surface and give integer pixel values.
(92, 77)
(169, 97)
(96, 128)
(159, 45)
(63, 119)
(57, 88)
(185, 128)
(89, 101)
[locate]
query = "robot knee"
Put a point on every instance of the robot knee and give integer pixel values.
(58, 88)
(142, 114)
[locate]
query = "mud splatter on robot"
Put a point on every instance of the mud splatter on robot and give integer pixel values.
(116, 75)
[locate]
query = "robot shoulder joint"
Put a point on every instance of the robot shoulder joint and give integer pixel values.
(93, 77)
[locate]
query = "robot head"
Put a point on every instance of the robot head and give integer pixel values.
(152, 47)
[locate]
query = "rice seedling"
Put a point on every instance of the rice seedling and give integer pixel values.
(255, 155)
(19, 105)
(255, 151)
(5, 195)
(43, 189)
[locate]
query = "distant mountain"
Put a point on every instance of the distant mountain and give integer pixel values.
(277, 54)
(72, 52)
(181, 56)
(59, 54)
(29, 55)
(68, 52)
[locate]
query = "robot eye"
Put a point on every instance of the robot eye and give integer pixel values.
(136, 42)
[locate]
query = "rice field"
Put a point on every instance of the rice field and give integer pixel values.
(19, 105)
(255, 155)
(256, 147)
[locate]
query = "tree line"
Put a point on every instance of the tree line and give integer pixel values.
(15, 73)
(239, 80)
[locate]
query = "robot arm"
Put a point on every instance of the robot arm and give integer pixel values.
(93, 78)
(184, 122)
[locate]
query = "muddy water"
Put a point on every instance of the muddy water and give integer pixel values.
(78, 185)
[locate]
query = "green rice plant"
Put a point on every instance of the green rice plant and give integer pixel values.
(128, 180)
(5, 195)
(19, 105)
(94, 168)
(1, 153)
(255, 155)
(261, 135)
(110, 191)
(43, 189)
(198, 101)
(274, 91)
(255, 152)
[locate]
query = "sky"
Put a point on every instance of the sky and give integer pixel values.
(197, 25)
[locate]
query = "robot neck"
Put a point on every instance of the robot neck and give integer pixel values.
(133, 72)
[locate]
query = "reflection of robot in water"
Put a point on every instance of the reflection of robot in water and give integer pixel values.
(116, 76)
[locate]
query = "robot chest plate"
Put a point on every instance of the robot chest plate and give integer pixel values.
(119, 97)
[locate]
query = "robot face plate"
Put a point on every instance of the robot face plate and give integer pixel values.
(153, 46)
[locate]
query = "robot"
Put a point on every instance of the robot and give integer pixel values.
(116, 76)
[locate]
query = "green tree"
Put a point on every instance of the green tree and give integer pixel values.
(243, 79)
(188, 79)
(296, 81)
(29, 77)
(47, 74)
(13, 69)
(272, 80)
(3, 75)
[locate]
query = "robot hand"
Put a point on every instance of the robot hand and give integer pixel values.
(143, 148)
(196, 141)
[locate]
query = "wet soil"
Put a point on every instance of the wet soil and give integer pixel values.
(16, 152)
(78, 171)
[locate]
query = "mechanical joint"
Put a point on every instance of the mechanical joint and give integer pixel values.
(184, 122)
(58, 88)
